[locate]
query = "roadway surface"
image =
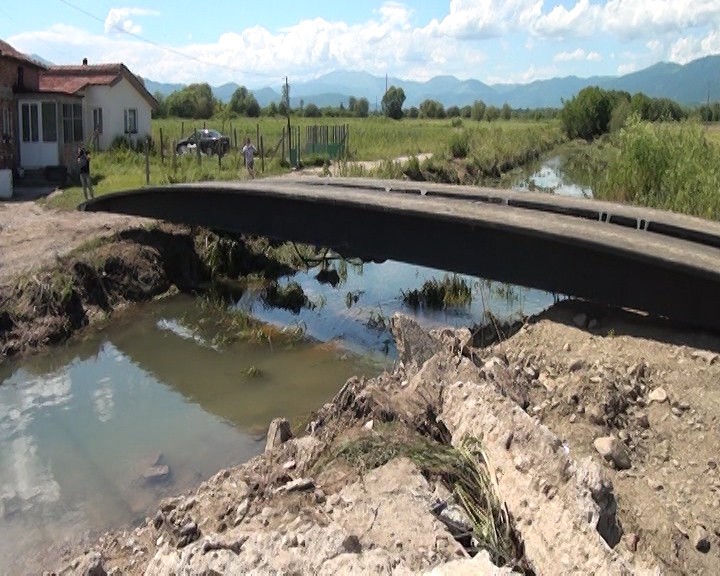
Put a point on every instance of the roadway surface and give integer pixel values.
(659, 262)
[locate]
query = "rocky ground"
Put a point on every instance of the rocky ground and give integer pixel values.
(599, 430)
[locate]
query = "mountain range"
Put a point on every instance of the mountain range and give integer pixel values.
(692, 84)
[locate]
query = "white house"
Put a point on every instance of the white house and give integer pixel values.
(114, 102)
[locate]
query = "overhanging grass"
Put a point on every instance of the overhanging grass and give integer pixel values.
(464, 472)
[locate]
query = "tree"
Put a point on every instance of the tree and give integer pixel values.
(431, 109)
(392, 102)
(362, 108)
(413, 112)
(252, 108)
(587, 114)
(311, 111)
(466, 111)
(492, 113)
(162, 110)
(238, 101)
(453, 112)
(193, 101)
(478, 110)
(506, 111)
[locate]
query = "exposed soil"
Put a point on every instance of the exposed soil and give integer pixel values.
(33, 237)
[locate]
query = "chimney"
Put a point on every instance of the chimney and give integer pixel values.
(84, 61)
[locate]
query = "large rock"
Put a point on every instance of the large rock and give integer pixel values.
(613, 451)
(415, 346)
(480, 565)
(279, 432)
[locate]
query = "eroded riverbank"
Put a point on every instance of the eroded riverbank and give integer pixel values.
(584, 433)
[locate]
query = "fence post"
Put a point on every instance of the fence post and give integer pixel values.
(283, 145)
(162, 147)
(174, 157)
(235, 137)
(262, 155)
(257, 134)
(197, 147)
(147, 162)
(182, 129)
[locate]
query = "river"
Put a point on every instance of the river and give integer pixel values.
(95, 432)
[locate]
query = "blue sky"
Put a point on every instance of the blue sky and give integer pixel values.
(258, 43)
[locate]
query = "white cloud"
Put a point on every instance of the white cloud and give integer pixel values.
(577, 55)
(477, 19)
(118, 20)
(560, 22)
(630, 19)
(689, 48)
(626, 68)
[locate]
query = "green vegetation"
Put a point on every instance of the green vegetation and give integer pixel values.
(668, 166)
(452, 291)
(463, 470)
(594, 111)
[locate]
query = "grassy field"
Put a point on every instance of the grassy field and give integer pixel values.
(500, 143)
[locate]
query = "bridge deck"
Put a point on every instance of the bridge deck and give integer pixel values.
(664, 263)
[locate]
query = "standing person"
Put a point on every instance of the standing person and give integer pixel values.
(249, 152)
(83, 158)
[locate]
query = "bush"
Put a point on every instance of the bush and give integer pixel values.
(668, 166)
(588, 114)
(460, 144)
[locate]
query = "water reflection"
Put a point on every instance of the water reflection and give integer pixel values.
(550, 177)
(354, 311)
(80, 425)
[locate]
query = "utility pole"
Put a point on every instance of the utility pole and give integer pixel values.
(386, 89)
(286, 98)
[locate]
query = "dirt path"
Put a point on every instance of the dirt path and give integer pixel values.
(32, 237)
(335, 167)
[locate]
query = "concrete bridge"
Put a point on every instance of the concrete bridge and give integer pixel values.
(658, 262)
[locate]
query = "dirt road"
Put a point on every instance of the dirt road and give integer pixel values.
(32, 237)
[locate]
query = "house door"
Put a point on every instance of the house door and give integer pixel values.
(38, 134)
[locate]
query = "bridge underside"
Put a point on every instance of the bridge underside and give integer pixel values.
(552, 250)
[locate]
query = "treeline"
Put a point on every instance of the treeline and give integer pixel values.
(594, 111)
(196, 101)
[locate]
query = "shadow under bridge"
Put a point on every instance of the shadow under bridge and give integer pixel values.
(649, 260)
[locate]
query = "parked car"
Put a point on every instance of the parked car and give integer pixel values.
(210, 142)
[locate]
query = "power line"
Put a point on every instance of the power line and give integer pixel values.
(166, 48)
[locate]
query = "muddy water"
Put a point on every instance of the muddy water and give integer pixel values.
(162, 385)
(80, 427)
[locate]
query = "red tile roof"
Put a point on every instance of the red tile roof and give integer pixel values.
(8, 51)
(72, 79)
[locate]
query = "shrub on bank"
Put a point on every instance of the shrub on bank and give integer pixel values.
(667, 166)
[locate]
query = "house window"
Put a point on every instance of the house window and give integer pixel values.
(30, 129)
(131, 121)
(72, 123)
(5, 125)
(97, 120)
(49, 122)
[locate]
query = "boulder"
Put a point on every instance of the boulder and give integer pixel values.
(279, 432)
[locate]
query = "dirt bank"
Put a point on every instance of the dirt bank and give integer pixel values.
(601, 444)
